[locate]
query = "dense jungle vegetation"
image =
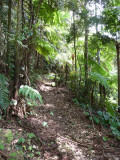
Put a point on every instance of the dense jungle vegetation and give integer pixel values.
(74, 44)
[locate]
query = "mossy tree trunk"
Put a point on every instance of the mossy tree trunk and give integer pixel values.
(0, 27)
(9, 31)
(17, 51)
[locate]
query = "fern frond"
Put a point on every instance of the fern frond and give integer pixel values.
(30, 93)
(96, 77)
(97, 68)
(44, 47)
(4, 100)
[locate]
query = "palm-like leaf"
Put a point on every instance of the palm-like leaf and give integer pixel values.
(4, 100)
(30, 93)
(96, 77)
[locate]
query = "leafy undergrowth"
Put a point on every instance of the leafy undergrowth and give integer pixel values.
(16, 143)
(56, 130)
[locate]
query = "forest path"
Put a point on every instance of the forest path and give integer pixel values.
(61, 128)
(64, 130)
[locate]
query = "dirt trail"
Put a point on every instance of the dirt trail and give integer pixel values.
(67, 134)
(63, 131)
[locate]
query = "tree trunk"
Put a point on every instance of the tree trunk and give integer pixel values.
(86, 48)
(23, 16)
(0, 28)
(17, 51)
(37, 60)
(96, 26)
(86, 56)
(30, 39)
(9, 31)
(118, 66)
(98, 56)
(75, 50)
(66, 73)
(23, 41)
(75, 41)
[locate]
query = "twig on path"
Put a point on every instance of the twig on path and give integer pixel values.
(34, 142)
(5, 157)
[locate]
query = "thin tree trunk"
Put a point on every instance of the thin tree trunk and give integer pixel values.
(75, 49)
(9, 31)
(75, 41)
(23, 17)
(96, 26)
(23, 42)
(17, 51)
(98, 57)
(86, 56)
(30, 40)
(0, 28)
(86, 47)
(66, 73)
(118, 66)
(37, 60)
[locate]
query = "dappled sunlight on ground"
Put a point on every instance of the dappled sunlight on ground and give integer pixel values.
(46, 87)
(66, 145)
(63, 132)
(73, 136)
(49, 105)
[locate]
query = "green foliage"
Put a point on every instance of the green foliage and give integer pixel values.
(102, 43)
(46, 11)
(112, 121)
(30, 148)
(96, 77)
(1, 147)
(51, 113)
(45, 124)
(21, 140)
(111, 20)
(107, 119)
(8, 135)
(97, 121)
(91, 116)
(14, 155)
(31, 135)
(4, 93)
(87, 113)
(75, 100)
(95, 67)
(111, 106)
(30, 93)
(44, 47)
(105, 139)
(51, 76)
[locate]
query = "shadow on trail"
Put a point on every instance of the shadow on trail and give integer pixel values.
(62, 129)
(61, 119)
(46, 139)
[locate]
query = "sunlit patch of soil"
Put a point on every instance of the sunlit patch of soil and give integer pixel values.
(62, 131)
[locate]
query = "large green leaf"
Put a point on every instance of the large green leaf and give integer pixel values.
(4, 93)
(30, 93)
